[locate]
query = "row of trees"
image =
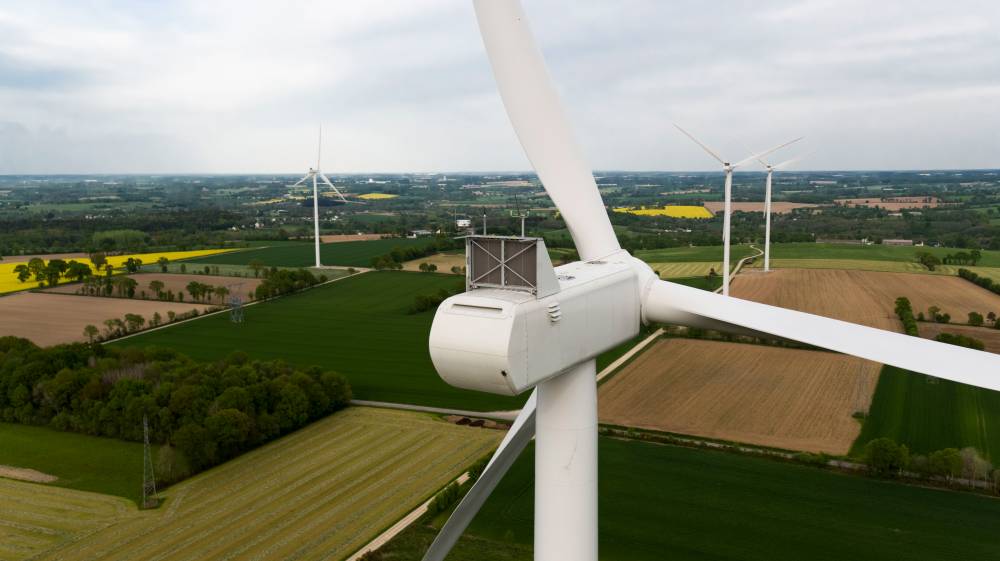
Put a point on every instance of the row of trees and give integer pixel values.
(283, 281)
(887, 458)
(984, 282)
(904, 310)
(207, 411)
(399, 255)
(130, 323)
(51, 272)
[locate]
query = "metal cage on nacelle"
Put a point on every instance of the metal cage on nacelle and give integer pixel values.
(502, 262)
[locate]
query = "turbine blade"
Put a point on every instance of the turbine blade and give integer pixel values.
(299, 182)
(519, 435)
(761, 155)
(543, 127)
(669, 302)
(332, 186)
(698, 142)
(791, 161)
(319, 150)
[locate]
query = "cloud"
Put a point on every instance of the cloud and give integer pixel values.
(186, 86)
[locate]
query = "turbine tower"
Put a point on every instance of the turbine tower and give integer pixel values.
(547, 333)
(728, 210)
(767, 206)
(316, 175)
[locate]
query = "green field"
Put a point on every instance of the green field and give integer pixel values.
(929, 414)
(36, 518)
(811, 251)
(683, 269)
(319, 493)
(358, 326)
(348, 254)
(664, 502)
(87, 463)
(704, 254)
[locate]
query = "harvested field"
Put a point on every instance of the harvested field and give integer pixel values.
(36, 518)
(769, 396)
(880, 266)
(444, 262)
(319, 493)
(51, 319)
(895, 203)
(864, 297)
(989, 336)
(25, 474)
(777, 207)
(177, 283)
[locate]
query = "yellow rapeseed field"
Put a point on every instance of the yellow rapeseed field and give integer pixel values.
(377, 196)
(673, 211)
(9, 282)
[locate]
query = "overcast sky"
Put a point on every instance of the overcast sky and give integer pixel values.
(404, 85)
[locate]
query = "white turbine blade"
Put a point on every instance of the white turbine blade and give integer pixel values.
(668, 302)
(513, 444)
(791, 161)
(299, 182)
(332, 186)
(759, 156)
(542, 126)
(319, 149)
(699, 143)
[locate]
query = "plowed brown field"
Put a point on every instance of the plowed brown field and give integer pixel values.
(715, 207)
(865, 297)
(50, 319)
(989, 336)
(785, 398)
(243, 287)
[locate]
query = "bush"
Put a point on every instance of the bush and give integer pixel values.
(961, 341)
(886, 458)
(905, 313)
(443, 500)
(283, 281)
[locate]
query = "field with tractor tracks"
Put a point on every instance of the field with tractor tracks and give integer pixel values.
(769, 396)
(319, 493)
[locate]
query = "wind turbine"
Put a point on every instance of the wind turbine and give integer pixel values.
(316, 175)
(728, 211)
(767, 206)
(506, 342)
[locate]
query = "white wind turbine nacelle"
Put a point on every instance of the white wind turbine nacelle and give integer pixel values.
(728, 196)
(478, 334)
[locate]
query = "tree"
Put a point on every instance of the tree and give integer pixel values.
(221, 292)
(157, 287)
(90, 332)
(257, 266)
(156, 320)
(78, 271)
(134, 321)
(163, 262)
(194, 289)
(945, 463)
(133, 265)
(194, 442)
(886, 458)
(171, 316)
(928, 260)
(975, 318)
(229, 428)
(98, 260)
(54, 271)
(23, 273)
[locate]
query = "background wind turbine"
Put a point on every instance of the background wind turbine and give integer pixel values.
(507, 341)
(767, 206)
(728, 210)
(316, 175)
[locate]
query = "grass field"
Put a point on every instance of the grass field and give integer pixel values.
(9, 282)
(929, 414)
(684, 269)
(812, 251)
(86, 463)
(875, 265)
(769, 396)
(348, 254)
(672, 211)
(358, 326)
(319, 493)
(35, 518)
(663, 502)
(704, 283)
(706, 253)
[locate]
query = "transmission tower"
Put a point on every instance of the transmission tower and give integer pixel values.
(235, 309)
(518, 213)
(149, 499)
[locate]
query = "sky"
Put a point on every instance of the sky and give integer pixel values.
(107, 86)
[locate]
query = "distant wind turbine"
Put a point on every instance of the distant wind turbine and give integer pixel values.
(727, 214)
(316, 175)
(767, 205)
